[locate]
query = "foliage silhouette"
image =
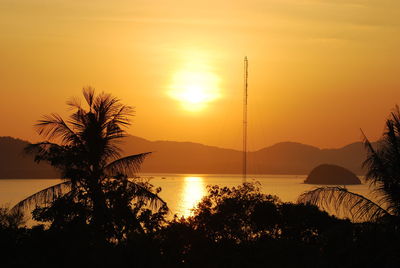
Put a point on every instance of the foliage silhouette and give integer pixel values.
(11, 219)
(96, 184)
(383, 175)
(231, 227)
(241, 227)
(243, 214)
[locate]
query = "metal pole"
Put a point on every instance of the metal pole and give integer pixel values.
(245, 96)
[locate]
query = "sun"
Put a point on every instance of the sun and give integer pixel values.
(194, 89)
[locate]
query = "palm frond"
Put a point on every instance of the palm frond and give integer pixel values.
(74, 103)
(340, 201)
(119, 119)
(34, 148)
(78, 120)
(44, 196)
(383, 166)
(396, 117)
(128, 165)
(104, 106)
(374, 163)
(392, 139)
(111, 151)
(121, 114)
(42, 150)
(141, 193)
(89, 95)
(53, 126)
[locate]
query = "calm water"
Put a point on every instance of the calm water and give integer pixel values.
(183, 191)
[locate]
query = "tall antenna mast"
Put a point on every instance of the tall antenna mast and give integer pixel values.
(246, 74)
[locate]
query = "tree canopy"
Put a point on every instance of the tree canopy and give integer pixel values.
(85, 149)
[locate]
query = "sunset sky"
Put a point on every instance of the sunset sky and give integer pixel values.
(319, 70)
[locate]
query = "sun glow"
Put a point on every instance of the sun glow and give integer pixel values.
(194, 86)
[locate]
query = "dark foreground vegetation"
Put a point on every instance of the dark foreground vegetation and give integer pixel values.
(97, 217)
(237, 227)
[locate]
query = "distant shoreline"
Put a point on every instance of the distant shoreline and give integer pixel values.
(149, 175)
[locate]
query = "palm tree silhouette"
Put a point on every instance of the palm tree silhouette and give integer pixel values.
(87, 154)
(383, 175)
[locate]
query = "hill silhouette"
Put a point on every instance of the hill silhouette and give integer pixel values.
(189, 157)
(15, 164)
(331, 174)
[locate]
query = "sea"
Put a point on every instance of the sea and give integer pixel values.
(182, 192)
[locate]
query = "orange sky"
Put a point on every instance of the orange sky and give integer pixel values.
(319, 70)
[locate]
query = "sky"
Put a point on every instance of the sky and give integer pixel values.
(319, 71)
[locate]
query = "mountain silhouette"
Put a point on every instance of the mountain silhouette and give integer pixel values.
(15, 164)
(188, 157)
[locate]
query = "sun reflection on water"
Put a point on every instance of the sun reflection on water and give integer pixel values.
(193, 191)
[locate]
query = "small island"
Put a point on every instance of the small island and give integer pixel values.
(332, 174)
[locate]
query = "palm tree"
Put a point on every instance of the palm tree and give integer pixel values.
(85, 150)
(383, 175)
